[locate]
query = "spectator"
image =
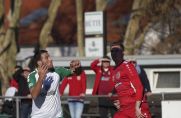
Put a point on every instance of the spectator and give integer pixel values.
(77, 89)
(147, 89)
(17, 74)
(144, 79)
(125, 78)
(9, 106)
(103, 85)
(11, 91)
(26, 104)
(43, 84)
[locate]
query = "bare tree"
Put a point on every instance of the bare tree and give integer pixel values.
(152, 24)
(8, 45)
(163, 34)
(101, 5)
(133, 25)
(80, 29)
(1, 9)
(45, 34)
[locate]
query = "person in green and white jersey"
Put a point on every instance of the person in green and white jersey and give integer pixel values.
(43, 83)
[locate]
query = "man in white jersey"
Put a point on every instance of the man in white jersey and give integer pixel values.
(43, 83)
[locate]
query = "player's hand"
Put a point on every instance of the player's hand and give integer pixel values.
(42, 70)
(117, 104)
(139, 114)
(110, 94)
(47, 83)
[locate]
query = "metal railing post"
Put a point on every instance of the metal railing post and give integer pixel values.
(17, 107)
(163, 96)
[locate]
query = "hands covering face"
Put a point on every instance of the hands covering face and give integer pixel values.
(75, 66)
(42, 70)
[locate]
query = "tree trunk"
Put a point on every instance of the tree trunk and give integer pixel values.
(101, 5)
(46, 30)
(80, 37)
(133, 25)
(1, 9)
(8, 48)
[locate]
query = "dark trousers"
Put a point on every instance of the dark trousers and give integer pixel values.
(25, 110)
(106, 108)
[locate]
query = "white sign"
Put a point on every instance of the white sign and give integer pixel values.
(93, 23)
(94, 47)
(171, 109)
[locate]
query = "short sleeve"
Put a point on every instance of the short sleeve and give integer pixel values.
(63, 72)
(31, 79)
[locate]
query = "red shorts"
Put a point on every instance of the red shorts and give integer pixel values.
(126, 113)
(129, 111)
(145, 108)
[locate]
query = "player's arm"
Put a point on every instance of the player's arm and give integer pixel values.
(63, 72)
(36, 89)
(135, 80)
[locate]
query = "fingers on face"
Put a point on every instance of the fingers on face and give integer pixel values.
(117, 104)
(44, 67)
(141, 116)
(74, 63)
(116, 101)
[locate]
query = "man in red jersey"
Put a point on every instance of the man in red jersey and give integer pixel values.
(127, 84)
(103, 85)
